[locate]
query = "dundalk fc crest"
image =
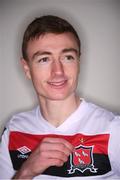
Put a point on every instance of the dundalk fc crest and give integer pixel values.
(82, 159)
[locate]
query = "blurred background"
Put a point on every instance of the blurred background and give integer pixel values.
(98, 25)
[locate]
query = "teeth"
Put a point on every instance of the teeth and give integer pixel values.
(57, 83)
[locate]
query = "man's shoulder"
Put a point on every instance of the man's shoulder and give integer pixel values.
(24, 118)
(98, 112)
(102, 118)
(101, 110)
(26, 114)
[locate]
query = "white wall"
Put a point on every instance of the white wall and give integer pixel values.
(98, 24)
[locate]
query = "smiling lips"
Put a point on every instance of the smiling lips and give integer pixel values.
(58, 84)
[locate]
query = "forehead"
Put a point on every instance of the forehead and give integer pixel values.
(52, 42)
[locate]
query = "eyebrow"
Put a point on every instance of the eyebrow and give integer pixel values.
(70, 50)
(40, 53)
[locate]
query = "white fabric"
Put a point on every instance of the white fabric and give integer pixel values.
(88, 119)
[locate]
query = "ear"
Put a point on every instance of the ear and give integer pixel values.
(26, 68)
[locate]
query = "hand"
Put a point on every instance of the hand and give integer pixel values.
(50, 152)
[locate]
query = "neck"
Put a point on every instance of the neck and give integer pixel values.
(56, 112)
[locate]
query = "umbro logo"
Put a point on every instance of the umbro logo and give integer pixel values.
(24, 150)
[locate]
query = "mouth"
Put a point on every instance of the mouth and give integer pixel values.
(58, 84)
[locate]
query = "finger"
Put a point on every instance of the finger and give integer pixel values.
(54, 162)
(60, 141)
(54, 155)
(55, 146)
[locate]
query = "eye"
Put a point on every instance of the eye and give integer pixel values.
(43, 60)
(69, 58)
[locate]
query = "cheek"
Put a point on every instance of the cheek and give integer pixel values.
(39, 76)
(74, 72)
(74, 76)
(35, 75)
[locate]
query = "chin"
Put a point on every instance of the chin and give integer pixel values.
(59, 97)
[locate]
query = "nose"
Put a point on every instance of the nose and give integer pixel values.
(57, 67)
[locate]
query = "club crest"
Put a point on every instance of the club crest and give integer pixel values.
(82, 159)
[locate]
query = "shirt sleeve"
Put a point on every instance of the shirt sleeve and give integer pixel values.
(114, 145)
(6, 168)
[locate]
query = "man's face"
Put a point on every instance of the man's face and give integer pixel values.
(53, 65)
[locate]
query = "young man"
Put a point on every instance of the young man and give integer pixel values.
(65, 137)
